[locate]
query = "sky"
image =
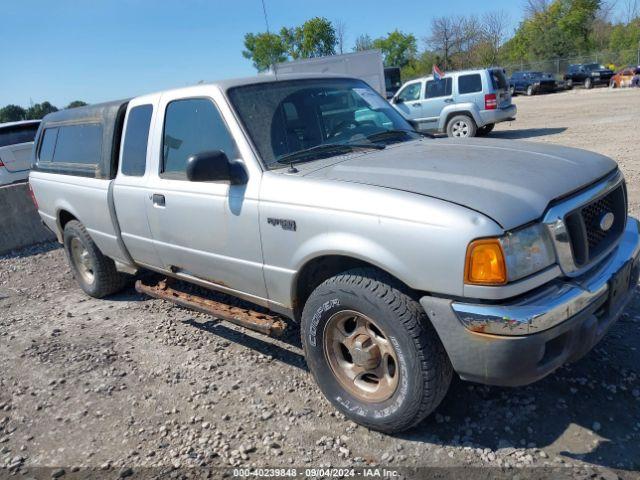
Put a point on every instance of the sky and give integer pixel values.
(100, 50)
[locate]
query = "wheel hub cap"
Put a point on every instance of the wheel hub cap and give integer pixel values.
(360, 356)
(81, 260)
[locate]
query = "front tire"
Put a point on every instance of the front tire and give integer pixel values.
(95, 273)
(588, 83)
(373, 352)
(530, 90)
(461, 126)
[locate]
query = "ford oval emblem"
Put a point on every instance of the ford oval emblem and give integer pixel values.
(606, 221)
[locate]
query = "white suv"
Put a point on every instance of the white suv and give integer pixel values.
(16, 142)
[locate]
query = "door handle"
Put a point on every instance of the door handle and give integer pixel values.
(417, 104)
(448, 100)
(158, 200)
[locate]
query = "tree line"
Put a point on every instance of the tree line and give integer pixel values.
(15, 113)
(550, 29)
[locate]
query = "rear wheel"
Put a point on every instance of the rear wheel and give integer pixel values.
(461, 126)
(373, 352)
(588, 83)
(485, 130)
(95, 273)
(512, 90)
(530, 90)
(569, 84)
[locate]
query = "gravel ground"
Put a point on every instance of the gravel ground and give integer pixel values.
(132, 382)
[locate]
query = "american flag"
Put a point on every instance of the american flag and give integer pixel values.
(437, 73)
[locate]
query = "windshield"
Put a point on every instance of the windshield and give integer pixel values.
(316, 118)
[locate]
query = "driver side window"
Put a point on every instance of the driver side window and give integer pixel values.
(410, 92)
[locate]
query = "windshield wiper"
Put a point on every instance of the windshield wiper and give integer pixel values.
(302, 155)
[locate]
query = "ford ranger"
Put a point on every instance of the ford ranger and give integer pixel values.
(404, 258)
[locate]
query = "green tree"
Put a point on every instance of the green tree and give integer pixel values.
(363, 42)
(76, 104)
(264, 49)
(39, 110)
(397, 48)
(12, 113)
(314, 38)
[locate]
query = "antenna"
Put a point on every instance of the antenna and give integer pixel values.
(266, 21)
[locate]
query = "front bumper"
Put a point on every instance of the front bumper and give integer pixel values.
(498, 115)
(519, 342)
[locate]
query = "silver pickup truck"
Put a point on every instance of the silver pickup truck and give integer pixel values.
(403, 258)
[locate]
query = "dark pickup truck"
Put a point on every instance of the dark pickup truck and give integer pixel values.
(588, 75)
(532, 83)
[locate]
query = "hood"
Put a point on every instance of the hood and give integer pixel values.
(511, 182)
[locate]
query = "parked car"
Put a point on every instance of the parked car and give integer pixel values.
(588, 75)
(532, 83)
(404, 258)
(623, 77)
(462, 104)
(16, 142)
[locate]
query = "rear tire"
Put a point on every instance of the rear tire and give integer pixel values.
(485, 130)
(530, 91)
(461, 126)
(588, 83)
(373, 352)
(569, 84)
(512, 91)
(95, 273)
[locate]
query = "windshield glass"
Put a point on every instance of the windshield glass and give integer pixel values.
(312, 116)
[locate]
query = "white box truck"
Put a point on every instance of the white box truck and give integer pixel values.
(366, 65)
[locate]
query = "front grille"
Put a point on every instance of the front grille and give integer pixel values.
(588, 239)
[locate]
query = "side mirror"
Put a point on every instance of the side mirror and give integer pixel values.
(397, 100)
(215, 166)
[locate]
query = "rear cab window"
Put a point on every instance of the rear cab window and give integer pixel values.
(136, 139)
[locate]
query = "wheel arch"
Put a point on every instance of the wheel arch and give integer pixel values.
(469, 110)
(317, 269)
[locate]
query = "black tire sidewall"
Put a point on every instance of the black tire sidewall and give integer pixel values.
(401, 408)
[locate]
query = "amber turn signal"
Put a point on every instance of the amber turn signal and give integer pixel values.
(485, 263)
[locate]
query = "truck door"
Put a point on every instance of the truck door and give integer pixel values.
(207, 230)
(437, 96)
(130, 188)
(408, 101)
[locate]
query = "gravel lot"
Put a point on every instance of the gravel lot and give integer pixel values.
(132, 382)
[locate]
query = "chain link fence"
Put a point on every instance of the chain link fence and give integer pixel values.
(558, 66)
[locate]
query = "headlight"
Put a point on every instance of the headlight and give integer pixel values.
(518, 254)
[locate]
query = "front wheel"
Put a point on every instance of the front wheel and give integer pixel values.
(569, 84)
(461, 126)
(373, 352)
(530, 90)
(588, 83)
